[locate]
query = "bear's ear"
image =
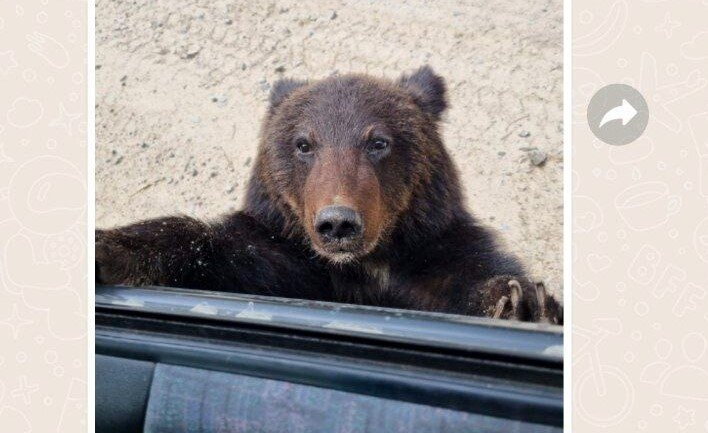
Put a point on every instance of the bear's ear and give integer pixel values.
(427, 89)
(281, 89)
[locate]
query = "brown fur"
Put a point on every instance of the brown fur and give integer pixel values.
(370, 145)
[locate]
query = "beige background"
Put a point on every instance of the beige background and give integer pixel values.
(640, 222)
(43, 371)
(181, 90)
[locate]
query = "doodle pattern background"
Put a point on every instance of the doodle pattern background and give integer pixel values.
(640, 231)
(43, 157)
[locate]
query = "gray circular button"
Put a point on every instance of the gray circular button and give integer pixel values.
(618, 114)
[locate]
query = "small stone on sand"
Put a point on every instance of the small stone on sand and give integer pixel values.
(537, 157)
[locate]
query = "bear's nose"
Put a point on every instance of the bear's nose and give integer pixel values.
(338, 223)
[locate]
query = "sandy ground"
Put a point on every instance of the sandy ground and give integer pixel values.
(181, 88)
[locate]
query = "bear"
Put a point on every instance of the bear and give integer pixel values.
(352, 198)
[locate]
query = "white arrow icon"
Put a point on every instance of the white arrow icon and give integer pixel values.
(625, 112)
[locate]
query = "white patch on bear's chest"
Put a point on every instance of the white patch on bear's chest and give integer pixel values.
(379, 274)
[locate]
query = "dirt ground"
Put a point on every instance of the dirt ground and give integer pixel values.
(181, 88)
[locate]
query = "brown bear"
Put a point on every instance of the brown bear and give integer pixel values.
(353, 198)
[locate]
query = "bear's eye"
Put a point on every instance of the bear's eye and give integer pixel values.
(303, 145)
(377, 145)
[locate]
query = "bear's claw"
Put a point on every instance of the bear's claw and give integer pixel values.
(499, 309)
(521, 299)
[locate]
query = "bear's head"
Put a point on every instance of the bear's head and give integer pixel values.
(344, 156)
